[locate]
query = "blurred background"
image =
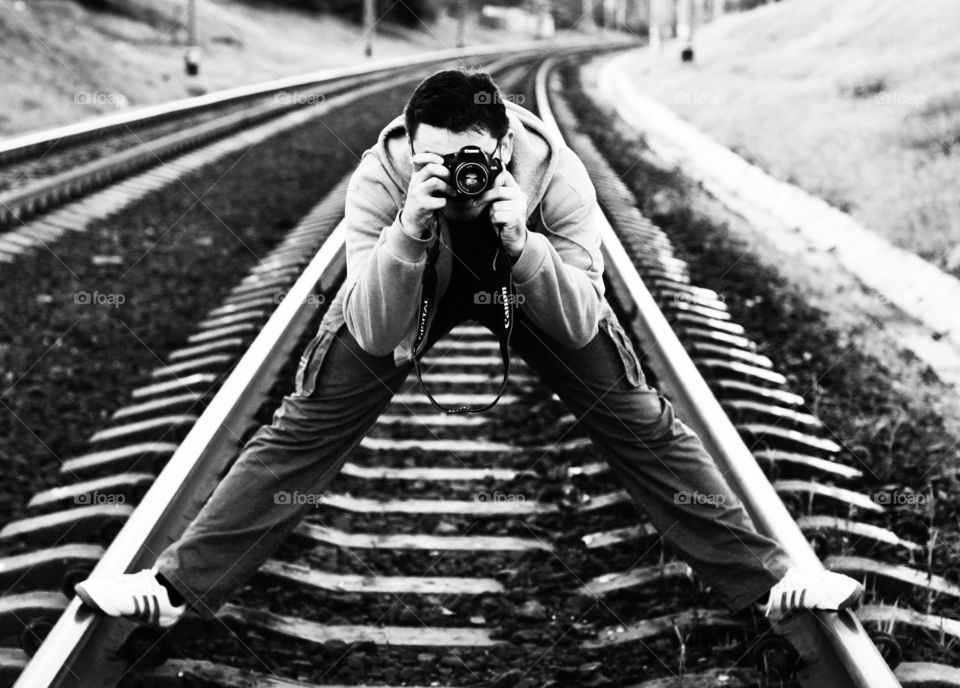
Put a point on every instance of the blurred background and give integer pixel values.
(64, 60)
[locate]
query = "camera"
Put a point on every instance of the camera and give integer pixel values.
(471, 170)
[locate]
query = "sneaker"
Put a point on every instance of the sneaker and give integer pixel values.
(134, 595)
(812, 589)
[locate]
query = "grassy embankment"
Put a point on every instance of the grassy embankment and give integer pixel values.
(857, 102)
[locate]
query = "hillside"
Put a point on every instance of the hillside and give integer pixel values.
(855, 101)
(60, 62)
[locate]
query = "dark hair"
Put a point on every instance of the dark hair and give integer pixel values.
(457, 100)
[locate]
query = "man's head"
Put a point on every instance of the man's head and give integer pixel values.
(452, 109)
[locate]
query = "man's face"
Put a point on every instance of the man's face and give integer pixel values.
(430, 139)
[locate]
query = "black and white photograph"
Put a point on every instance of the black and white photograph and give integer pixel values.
(479, 344)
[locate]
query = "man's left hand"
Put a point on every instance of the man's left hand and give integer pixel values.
(508, 212)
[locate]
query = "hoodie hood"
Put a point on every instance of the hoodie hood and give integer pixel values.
(534, 161)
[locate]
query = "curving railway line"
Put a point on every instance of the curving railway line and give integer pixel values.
(485, 550)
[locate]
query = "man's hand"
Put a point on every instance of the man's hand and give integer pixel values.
(508, 212)
(426, 193)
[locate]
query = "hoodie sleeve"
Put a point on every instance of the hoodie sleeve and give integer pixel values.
(560, 277)
(384, 263)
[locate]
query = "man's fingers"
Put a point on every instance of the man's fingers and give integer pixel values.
(431, 170)
(433, 202)
(425, 158)
(506, 179)
(499, 216)
(437, 184)
(496, 193)
(504, 207)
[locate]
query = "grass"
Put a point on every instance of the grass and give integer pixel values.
(857, 102)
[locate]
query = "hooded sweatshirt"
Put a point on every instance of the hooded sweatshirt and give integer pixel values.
(558, 273)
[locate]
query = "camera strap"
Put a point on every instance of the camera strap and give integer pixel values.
(428, 297)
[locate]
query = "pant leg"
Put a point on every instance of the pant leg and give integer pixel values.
(340, 392)
(660, 461)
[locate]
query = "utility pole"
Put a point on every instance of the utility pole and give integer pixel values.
(612, 15)
(655, 19)
(686, 19)
(545, 27)
(461, 23)
(368, 26)
(586, 22)
(193, 53)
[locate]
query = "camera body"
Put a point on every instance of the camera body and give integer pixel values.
(472, 171)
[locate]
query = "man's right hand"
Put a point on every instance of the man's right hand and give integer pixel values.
(427, 193)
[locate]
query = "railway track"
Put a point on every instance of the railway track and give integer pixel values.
(512, 559)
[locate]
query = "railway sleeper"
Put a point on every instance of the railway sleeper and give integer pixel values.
(45, 568)
(320, 534)
(745, 409)
(187, 401)
(211, 362)
(896, 575)
(773, 436)
(155, 454)
(822, 531)
(637, 577)
(98, 523)
(727, 388)
(201, 382)
(734, 353)
(122, 488)
(814, 491)
(173, 427)
(687, 620)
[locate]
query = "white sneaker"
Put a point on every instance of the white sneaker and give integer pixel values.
(135, 595)
(812, 589)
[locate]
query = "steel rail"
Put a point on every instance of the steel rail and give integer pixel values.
(81, 648)
(835, 648)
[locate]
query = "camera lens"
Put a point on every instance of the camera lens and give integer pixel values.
(471, 178)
